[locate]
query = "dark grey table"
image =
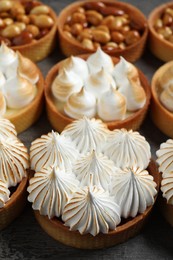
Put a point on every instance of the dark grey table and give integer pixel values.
(24, 238)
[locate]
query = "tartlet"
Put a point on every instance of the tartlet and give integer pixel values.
(160, 47)
(70, 46)
(165, 161)
(59, 119)
(160, 114)
(22, 104)
(13, 179)
(91, 161)
(31, 28)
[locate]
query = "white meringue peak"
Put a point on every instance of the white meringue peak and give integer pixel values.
(165, 156)
(165, 79)
(18, 92)
(99, 82)
(120, 72)
(7, 58)
(3, 105)
(166, 97)
(14, 160)
(99, 60)
(133, 190)
(66, 83)
(50, 189)
(87, 134)
(52, 149)
(167, 186)
(77, 65)
(128, 148)
(111, 105)
(80, 104)
(2, 81)
(4, 193)
(97, 165)
(7, 129)
(91, 210)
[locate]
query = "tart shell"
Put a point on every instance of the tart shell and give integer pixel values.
(59, 120)
(56, 229)
(166, 209)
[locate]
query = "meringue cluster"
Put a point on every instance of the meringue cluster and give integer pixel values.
(14, 160)
(91, 176)
(18, 76)
(98, 88)
(165, 161)
(166, 84)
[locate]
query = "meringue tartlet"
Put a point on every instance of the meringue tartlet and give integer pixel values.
(14, 162)
(99, 86)
(93, 182)
(21, 89)
(165, 162)
(162, 98)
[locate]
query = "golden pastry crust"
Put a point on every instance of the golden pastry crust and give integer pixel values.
(59, 120)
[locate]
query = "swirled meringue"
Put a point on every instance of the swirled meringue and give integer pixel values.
(128, 148)
(8, 58)
(167, 186)
(111, 105)
(7, 129)
(96, 164)
(87, 134)
(99, 83)
(66, 83)
(18, 92)
(52, 149)
(99, 60)
(91, 210)
(4, 193)
(13, 160)
(166, 77)
(2, 81)
(133, 190)
(80, 104)
(120, 72)
(77, 65)
(3, 104)
(166, 97)
(50, 189)
(165, 156)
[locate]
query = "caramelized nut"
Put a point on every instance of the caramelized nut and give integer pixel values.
(24, 38)
(167, 19)
(102, 28)
(165, 31)
(1, 23)
(33, 30)
(43, 32)
(169, 11)
(132, 37)
(76, 28)
(94, 6)
(23, 18)
(43, 21)
(122, 46)
(108, 20)
(5, 5)
(10, 31)
(125, 29)
(67, 28)
(94, 17)
(8, 21)
(29, 5)
(40, 9)
(101, 36)
(78, 18)
(158, 23)
(68, 34)
(117, 37)
(110, 10)
(22, 26)
(85, 34)
(116, 24)
(87, 43)
(80, 10)
(4, 15)
(17, 8)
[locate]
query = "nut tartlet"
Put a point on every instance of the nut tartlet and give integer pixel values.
(120, 29)
(165, 162)
(21, 89)
(160, 31)
(94, 91)
(14, 162)
(92, 187)
(29, 27)
(162, 98)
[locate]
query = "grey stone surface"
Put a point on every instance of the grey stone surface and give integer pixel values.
(24, 238)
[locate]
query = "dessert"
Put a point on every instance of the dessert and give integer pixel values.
(91, 194)
(118, 28)
(160, 31)
(28, 26)
(14, 162)
(21, 90)
(162, 98)
(165, 162)
(111, 89)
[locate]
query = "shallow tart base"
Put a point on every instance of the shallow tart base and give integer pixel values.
(161, 117)
(127, 229)
(15, 205)
(25, 117)
(59, 120)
